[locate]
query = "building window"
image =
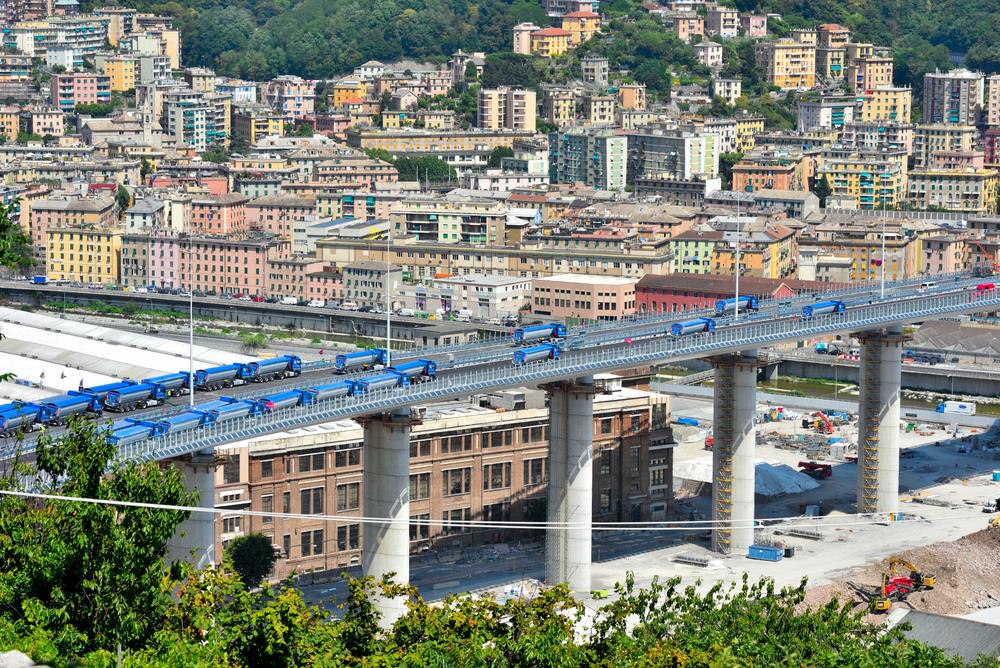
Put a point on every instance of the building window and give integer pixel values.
(606, 426)
(311, 462)
(497, 512)
(532, 434)
(420, 448)
(350, 457)
(605, 462)
(499, 439)
(347, 496)
(266, 469)
(605, 500)
(634, 455)
(455, 516)
(347, 537)
(286, 545)
(312, 501)
(267, 506)
(312, 542)
(230, 524)
(536, 471)
(231, 470)
(420, 531)
(496, 476)
(457, 481)
(286, 503)
(658, 477)
(420, 486)
(456, 443)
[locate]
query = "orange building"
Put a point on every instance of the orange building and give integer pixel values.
(770, 172)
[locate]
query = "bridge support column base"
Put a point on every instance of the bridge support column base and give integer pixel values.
(387, 496)
(733, 451)
(878, 420)
(194, 540)
(571, 483)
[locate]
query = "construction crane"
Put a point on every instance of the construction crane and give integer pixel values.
(823, 426)
(979, 272)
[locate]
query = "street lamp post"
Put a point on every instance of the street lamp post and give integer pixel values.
(736, 305)
(882, 290)
(190, 327)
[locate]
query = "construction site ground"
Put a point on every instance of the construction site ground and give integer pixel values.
(944, 535)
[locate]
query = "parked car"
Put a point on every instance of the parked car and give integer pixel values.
(76, 284)
(245, 298)
(185, 294)
(256, 298)
(271, 300)
(211, 293)
(225, 295)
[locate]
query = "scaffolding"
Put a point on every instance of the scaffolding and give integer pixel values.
(723, 449)
(869, 429)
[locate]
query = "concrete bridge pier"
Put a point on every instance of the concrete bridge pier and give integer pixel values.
(194, 539)
(387, 496)
(878, 423)
(571, 483)
(733, 451)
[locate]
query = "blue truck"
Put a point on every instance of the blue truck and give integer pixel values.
(57, 410)
(263, 371)
(823, 308)
(692, 326)
(129, 398)
(276, 402)
(546, 351)
(180, 423)
(23, 418)
(359, 361)
(344, 388)
(218, 377)
(526, 335)
(387, 379)
(170, 385)
(747, 303)
(417, 370)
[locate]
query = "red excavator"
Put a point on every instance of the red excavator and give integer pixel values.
(894, 588)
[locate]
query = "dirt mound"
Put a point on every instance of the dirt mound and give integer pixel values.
(967, 573)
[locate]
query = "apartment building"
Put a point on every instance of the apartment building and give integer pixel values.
(722, 21)
(10, 122)
(594, 70)
(863, 245)
(83, 34)
(71, 89)
(693, 250)
(46, 121)
(289, 95)
(367, 283)
(253, 121)
(728, 89)
(709, 54)
(219, 214)
(288, 276)
(277, 214)
(599, 109)
(929, 139)
(788, 64)
(15, 68)
(596, 157)
(655, 151)
(954, 97)
(885, 103)
(632, 96)
(200, 79)
(559, 106)
(829, 63)
(506, 108)
(602, 298)
(483, 295)
(771, 170)
(550, 42)
(450, 220)
(122, 69)
(196, 120)
(522, 37)
(240, 91)
(824, 112)
(232, 266)
(755, 26)
(968, 190)
(864, 74)
(83, 253)
(436, 141)
(874, 177)
(486, 461)
(686, 25)
(832, 35)
(581, 26)
(361, 171)
(805, 36)
(872, 134)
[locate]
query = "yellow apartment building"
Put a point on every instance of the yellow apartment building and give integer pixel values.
(747, 129)
(83, 253)
(968, 189)
(254, 122)
(433, 140)
(121, 69)
(581, 26)
(550, 42)
(886, 103)
(345, 90)
(789, 64)
(10, 122)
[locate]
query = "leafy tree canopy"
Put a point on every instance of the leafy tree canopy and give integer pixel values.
(498, 154)
(252, 557)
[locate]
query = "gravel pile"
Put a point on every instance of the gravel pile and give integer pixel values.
(967, 573)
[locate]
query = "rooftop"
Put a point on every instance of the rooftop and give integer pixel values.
(582, 279)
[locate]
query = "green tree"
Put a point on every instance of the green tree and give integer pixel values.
(425, 168)
(253, 343)
(726, 162)
(823, 189)
(509, 69)
(471, 72)
(385, 101)
(498, 154)
(88, 573)
(124, 199)
(380, 154)
(145, 168)
(15, 244)
(305, 130)
(253, 557)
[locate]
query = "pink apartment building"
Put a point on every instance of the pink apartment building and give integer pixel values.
(583, 296)
(47, 122)
(219, 214)
(709, 54)
(275, 214)
(290, 96)
(69, 90)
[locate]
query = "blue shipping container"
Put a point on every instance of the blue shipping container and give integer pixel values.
(766, 552)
